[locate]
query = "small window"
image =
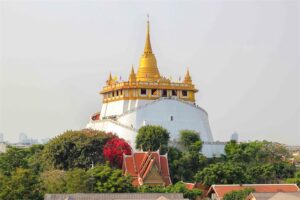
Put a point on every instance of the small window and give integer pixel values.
(154, 92)
(184, 93)
(164, 93)
(143, 92)
(117, 93)
(113, 94)
(171, 118)
(174, 93)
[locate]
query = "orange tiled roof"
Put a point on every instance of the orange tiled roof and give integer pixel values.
(221, 190)
(139, 164)
(189, 186)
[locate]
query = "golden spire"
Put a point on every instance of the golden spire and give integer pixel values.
(148, 48)
(132, 76)
(148, 70)
(109, 80)
(187, 78)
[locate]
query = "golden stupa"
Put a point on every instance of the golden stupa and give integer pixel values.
(148, 84)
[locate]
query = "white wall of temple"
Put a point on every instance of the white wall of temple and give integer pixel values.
(119, 107)
(184, 116)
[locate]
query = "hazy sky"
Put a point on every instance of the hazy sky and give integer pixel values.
(244, 57)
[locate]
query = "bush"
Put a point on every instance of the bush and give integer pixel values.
(114, 150)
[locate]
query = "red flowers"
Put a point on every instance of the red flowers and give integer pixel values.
(114, 149)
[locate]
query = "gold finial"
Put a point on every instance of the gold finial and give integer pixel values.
(187, 78)
(148, 48)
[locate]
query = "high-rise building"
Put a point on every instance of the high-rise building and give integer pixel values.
(149, 98)
(234, 136)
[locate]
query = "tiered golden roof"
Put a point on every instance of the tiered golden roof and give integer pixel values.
(148, 84)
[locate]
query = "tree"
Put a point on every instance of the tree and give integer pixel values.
(77, 181)
(152, 138)
(105, 179)
(264, 173)
(114, 150)
(190, 140)
(256, 152)
(238, 195)
(22, 184)
(54, 181)
(184, 165)
(20, 158)
(75, 149)
(175, 164)
(12, 159)
(222, 173)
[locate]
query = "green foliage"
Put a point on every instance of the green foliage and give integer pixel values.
(20, 158)
(54, 181)
(179, 187)
(75, 149)
(264, 173)
(295, 179)
(22, 184)
(101, 178)
(238, 195)
(77, 181)
(284, 170)
(190, 140)
(184, 165)
(257, 162)
(256, 152)
(222, 173)
(105, 179)
(175, 164)
(152, 138)
(12, 159)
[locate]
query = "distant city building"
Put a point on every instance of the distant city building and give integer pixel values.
(24, 139)
(148, 98)
(234, 136)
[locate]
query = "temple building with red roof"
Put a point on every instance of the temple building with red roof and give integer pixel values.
(217, 192)
(147, 168)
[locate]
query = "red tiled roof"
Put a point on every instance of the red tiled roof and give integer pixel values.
(189, 186)
(139, 164)
(221, 190)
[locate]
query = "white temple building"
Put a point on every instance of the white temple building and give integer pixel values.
(148, 98)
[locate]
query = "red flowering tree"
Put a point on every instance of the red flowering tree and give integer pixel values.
(114, 149)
